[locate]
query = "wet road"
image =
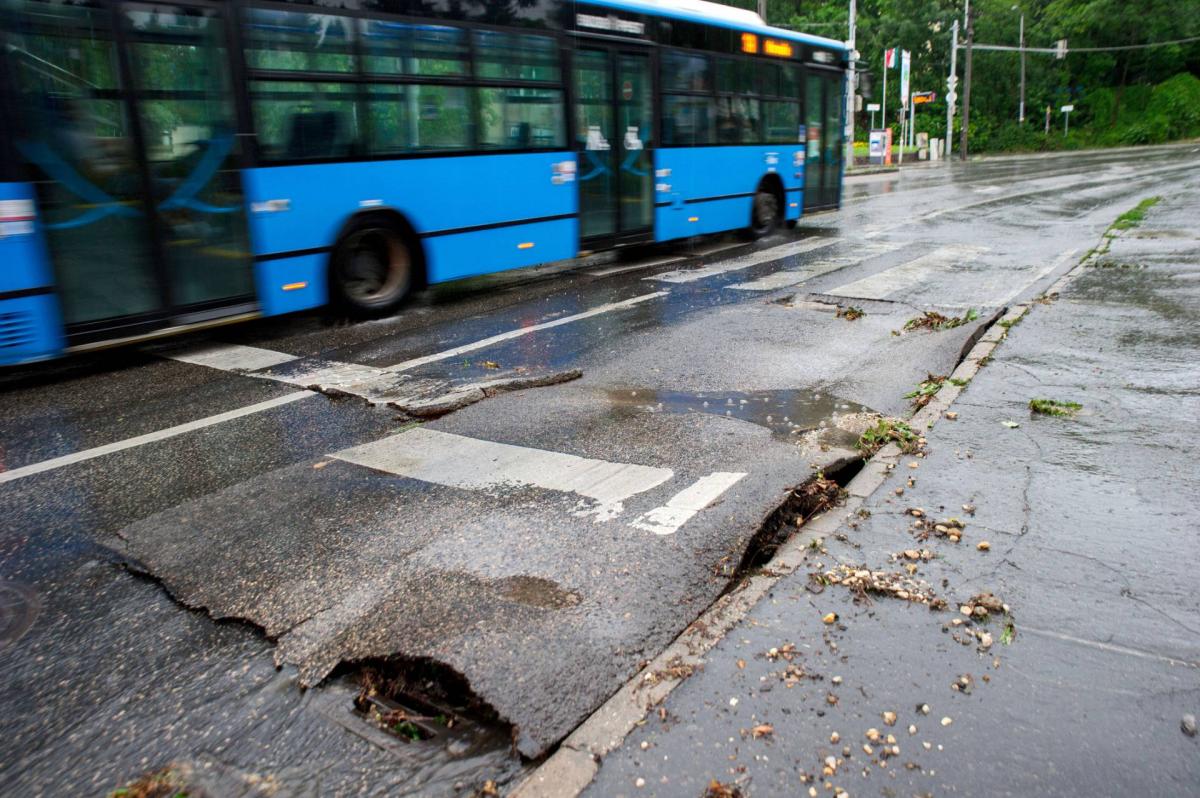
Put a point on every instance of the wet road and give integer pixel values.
(541, 543)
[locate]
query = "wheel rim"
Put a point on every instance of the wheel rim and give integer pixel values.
(766, 210)
(375, 267)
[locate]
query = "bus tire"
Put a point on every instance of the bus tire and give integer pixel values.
(766, 213)
(373, 268)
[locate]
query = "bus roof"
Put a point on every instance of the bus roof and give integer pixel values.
(719, 15)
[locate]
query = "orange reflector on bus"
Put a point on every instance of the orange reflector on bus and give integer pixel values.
(794, 204)
(693, 218)
(526, 245)
(294, 286)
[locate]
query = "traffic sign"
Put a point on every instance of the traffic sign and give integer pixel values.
(1066, 109)
(872, 107)
(922, 97)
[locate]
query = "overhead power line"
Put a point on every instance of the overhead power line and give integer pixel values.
(1012, 49)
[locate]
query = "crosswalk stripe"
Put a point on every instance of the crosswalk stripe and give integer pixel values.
(444, 458)
(909, 275)
(737, 264)
(789, 277)
(229, 357)
(667, 520)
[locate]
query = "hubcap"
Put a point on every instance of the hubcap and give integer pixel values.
(376, 266)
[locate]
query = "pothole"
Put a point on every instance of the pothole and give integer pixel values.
(426, 713)
(787, 413)
(817, 495)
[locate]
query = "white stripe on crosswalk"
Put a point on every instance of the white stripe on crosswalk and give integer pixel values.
(789, 277)
(636, 266)
(444, 458)
(909, 275)
(230, 357)
(737, 264)
(667, 520)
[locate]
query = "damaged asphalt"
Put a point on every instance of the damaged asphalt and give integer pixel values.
(1083, 527)
(259, 519)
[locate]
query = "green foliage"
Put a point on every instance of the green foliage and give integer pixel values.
(1124, 97)
(886, 431)
(1054, 407)
(1133, 218)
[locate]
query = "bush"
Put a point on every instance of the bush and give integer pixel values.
(1177, 102)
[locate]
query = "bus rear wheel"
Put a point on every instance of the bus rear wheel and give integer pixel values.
(765, 214)
(372, 270)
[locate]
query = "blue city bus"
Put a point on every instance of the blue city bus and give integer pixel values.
(165, 167)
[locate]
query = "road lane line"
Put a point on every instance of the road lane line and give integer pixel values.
(229, 357)
(149, 437)
(636, 266)
(737, 264)
(517, 333)
(667, 520)
(907, 276)
(786, 278)
(444, 458)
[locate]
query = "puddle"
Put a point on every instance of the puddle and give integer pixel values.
(19, 608)
(786, 413)
(535, 591)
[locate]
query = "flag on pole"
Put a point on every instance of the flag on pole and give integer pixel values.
(889, 58)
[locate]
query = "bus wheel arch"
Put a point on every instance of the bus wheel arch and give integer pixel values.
(376, 263)
(767, 209)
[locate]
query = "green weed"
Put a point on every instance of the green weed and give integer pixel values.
(886, 431)
(932, 320)
(925, 391)
(1132, 218)
(1054, 407)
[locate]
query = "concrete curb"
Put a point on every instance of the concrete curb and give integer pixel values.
(569, 770)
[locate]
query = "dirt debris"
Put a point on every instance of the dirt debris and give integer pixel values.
(924, 527)
(717, 789)
(864, 583)
(675, 670)
(165, 783)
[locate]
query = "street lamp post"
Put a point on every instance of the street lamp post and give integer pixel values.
(1021, 111)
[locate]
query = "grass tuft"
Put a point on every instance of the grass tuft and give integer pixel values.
(1054, 407)
(884, 432)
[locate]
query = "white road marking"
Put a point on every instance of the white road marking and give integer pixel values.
(667, 520)
(790, 277)
(457, 461)
(637, 266)
(909, 275)
(1057, 263)
(230, 357)
(149, 437)
(517, 333)
(713, 249)
(737, 264)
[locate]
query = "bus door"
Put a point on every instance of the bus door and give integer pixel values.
(614, 128)
(823, 139)
(128, 127)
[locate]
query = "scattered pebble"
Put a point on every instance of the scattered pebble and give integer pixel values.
(946, 721)
(836, 680)
(924, 709)
(733, 702)
(889, 718)
(912, 729)
(645, 745)
(834, 738)
(640, 782)
(983, 545)
(951, 415)
(830, 618)
(1188, 725)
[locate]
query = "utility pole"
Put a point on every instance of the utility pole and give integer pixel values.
(850, 81)
(966, 112)
(1021, 115)
(762, 9)
(952, 88)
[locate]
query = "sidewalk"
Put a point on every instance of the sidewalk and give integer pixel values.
(1093, 545)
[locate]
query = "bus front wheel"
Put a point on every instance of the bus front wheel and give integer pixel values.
(372, 269)
(766, 213)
